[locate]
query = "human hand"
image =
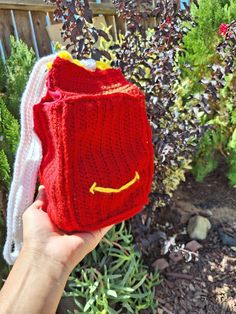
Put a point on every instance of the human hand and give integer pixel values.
(42, 237)
(38, 277)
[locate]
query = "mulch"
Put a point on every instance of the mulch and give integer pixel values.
(206, 284)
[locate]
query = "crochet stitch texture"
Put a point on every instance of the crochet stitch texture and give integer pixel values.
(97, 164)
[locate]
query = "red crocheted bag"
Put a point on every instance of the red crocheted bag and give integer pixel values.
(97, 165)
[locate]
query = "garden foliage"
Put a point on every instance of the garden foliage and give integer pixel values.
(8, 140)
(13, 77)
(201, 41)
(18, 67)
(210, 53)
(119, 283)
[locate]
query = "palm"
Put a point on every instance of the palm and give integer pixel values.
(40, 232)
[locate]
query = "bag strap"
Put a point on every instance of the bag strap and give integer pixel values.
(27, 161)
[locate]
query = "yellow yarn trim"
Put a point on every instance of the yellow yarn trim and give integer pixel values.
(102, 65)
(67, 56)
(94, 188)
(49, 65)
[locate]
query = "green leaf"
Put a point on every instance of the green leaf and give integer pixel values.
(4, 168)
(89, 304)
(233, 117)
(103, 288)
(112, 293)
(232, 142)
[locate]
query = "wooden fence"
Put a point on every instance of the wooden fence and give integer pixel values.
(28, 19)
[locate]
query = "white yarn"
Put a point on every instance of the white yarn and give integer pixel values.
(27, 162)
(89, 63)
(28, 158)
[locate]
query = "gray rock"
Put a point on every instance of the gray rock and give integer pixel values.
(198, 227)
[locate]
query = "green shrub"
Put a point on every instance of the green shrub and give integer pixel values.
(13, 78)
(18, 67)
(2, 76)
(211, 82)
(9, 132)
(219, 140)
(200, 42)
(207, 158)
(219, 91)
(113, 279)
(9, 136)
(4, 168)
(4, 269)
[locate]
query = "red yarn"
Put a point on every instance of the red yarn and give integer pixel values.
(93, 128)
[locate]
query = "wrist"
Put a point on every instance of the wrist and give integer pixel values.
(41, 261)
(34, 276)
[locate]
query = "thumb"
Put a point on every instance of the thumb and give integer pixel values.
(41, 197)
(38, 203)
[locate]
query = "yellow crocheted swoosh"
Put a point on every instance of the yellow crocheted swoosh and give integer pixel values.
(67, 56)
(94, 188)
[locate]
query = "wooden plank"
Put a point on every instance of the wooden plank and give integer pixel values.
(43, 41)
(97, 8)
(6, 29)
(120, 25)
(32, 5)
(150, 22)
(114, 27)
(36, 2)
(23, 27)
(30, 2)
(54, 32)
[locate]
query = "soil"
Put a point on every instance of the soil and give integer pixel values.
(206, 284)
(214, 194)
